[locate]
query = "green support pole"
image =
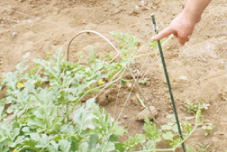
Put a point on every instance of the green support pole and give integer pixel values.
(168, 82)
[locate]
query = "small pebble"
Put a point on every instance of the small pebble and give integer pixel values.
(171, 111)
(129, 86)
(14, 34)
(84, 21)
(221, 133)
(55, 43)
(137, 9)
(125, 116)
(158, 109)
(106, 9)
(181, 108)
(170, 107)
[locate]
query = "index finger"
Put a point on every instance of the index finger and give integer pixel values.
(166, 32)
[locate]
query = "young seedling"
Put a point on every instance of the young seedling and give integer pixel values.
(205, 147)
(143, 81)
(207, 129)
(193, 108)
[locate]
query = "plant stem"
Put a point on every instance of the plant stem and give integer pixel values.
(155, 150)
(187, 136)
(58, 111)
(67, 112)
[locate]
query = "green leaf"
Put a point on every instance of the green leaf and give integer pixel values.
(93, 141)
(43, 141)
(2, 114)
(151, 130)
(124, 82)
(198, 115)
(120, 147)
(190, 149)
(107, 119)
(57, 120)
(108, 147)
(14, 133)
(114, 138)
(38, 123)
(3, 148)
(19, 140)
(175, 128)
(96, 122)
(149, 145)
(168, 136)
(147, 120)
(28, 144)
(188, 127)
(166, 127)
(35, 136)
(84, 147)
(90, 102)
(139, 138)
(65, 145)
(143, 81)
(175, 142)
(40, 113)
(141, 102)
(118, 130)
(55, 145)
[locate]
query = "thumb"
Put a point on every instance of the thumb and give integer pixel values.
(166, 32)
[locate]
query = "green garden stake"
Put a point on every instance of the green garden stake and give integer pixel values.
(168, 83)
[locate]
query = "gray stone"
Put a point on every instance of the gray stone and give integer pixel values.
(145, 112)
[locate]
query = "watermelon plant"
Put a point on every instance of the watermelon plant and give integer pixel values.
(43, 112)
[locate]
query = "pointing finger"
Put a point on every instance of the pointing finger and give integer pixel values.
(163, 33)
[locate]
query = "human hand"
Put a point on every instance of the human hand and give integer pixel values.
(181, 27)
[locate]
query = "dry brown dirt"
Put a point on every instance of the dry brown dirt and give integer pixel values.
(41, 26)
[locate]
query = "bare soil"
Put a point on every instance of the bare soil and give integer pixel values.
(42, 26)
